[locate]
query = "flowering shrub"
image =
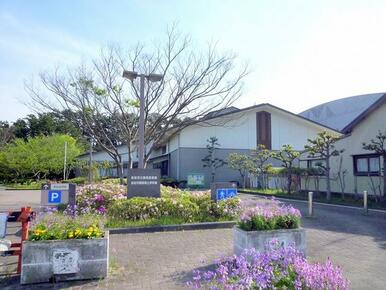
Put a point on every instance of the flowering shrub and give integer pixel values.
(278, 268)
(56, 226)
(110, 199)
(269, 216)
(96, 198)
(140, 208)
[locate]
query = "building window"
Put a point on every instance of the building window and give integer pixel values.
(163, 149)
(163, 166)
(316, 166)
(263, 129)
(367, 164)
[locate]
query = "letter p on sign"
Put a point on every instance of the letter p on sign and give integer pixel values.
(54, 196)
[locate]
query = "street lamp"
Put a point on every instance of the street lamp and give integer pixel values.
(132, 75)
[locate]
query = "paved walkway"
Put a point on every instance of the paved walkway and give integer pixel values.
(166, 260)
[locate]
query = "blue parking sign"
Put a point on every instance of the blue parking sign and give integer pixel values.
(54, 196)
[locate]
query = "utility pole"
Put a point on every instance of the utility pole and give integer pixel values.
(65, 160)
(141, 149)
(132, 75)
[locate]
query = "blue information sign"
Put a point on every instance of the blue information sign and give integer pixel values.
(54, 196)
(224, 193)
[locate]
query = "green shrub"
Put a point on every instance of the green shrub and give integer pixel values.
(140, 208)
(178, 204)
(77, 180)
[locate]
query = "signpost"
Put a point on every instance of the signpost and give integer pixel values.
(143, 182)
(196, 179)
(57, 193)
(223, 190)
(3, 225)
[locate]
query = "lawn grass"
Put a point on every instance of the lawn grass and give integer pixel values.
(349, 200)
(163, 221)
(24, 186)
(115, 223)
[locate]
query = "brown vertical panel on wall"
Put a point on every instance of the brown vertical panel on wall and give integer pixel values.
(263, 129)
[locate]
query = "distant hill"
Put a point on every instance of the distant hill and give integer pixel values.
(339, 113)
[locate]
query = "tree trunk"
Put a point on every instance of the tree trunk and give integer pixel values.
(121, 173)
(328, 193)
(119, 169)
(243, 178)
(289, 182)
(384, 175)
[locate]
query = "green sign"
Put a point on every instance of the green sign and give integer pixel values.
(196, 179)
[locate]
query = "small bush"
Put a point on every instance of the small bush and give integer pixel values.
(188, 206)
(96, 198)
(140, 208)
(77, 180)
(56, 226)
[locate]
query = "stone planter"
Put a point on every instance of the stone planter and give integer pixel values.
(64, 260)
(258, 239)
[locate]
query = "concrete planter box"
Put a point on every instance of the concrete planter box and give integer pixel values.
(64, 260)
(258, 239)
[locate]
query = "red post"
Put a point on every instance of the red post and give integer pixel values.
(24, 218)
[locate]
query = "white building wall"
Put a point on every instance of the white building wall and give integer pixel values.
(173, 143)
(352, 145)
(288, 129)
(238, 131)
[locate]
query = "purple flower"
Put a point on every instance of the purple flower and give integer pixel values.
(266, 270)
(101, 209)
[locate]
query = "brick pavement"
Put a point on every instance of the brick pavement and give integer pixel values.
(166, 260)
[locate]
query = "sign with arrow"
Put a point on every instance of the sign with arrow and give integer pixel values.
(223, 190)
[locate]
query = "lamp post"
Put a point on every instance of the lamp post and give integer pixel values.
(132, 75)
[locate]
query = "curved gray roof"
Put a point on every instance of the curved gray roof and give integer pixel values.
(339, 113)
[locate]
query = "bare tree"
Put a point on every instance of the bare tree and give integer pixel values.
(378, 145)
(194, 84)
(6, 133)
(342, 177)
(94, 100)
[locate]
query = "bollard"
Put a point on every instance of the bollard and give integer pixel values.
(310, 206)
(366, 211)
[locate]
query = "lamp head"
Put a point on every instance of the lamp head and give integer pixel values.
(155, 77)
(131, 75)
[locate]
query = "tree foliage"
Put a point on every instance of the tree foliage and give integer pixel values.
(378, 145)
(242, 163)
(287, 156)
(211, 161)
(39, 157)
(323, 147)
(45, 124)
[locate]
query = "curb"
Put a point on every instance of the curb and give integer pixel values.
(173, 228)
(374, 210)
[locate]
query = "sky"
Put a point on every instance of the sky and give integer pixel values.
(300, 53)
